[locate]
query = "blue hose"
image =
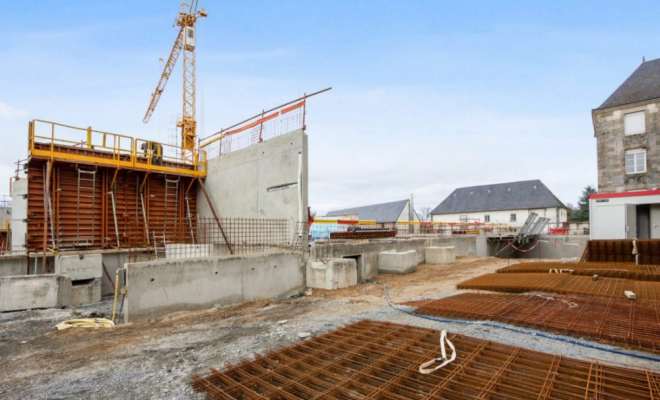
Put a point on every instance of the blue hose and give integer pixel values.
(519, 330)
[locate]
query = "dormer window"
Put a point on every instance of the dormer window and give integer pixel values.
(634, 123)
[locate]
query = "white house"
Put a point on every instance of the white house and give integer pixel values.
(502, 203)
(396, 211)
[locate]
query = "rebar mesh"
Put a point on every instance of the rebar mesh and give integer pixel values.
(610, 270)
(564, 284)
(621, 250)
(379, 360)
(632, 324)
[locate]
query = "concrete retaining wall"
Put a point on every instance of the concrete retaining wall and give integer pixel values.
(163, 287)
(34, 291)
(19, 215)
(366, 254)
(260, 181)
(558, 246)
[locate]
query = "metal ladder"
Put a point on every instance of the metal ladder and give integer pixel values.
(171, 203)
(160, 248)
(86, 210)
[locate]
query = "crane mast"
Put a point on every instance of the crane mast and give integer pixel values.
(185, 42)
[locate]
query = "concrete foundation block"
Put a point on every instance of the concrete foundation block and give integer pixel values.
(393, 262)
(12, 265)
(85, 292)
(330, 274)
(440, 255)
(79, 267)
(24, 292)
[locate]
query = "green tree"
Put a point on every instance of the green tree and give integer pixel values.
(582, 211)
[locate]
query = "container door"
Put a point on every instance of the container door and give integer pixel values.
(631, 221)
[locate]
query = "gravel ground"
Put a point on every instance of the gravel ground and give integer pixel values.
(157, 360)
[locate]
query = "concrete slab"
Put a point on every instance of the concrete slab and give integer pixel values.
(440, 255)
(24, 292)
(86, 292)
(79, 266)
(393, 262)
(330, 274)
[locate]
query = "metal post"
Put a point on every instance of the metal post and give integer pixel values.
(45, 231)
(215, 215)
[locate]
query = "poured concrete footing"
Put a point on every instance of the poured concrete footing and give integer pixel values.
(440, 255)
(330, 274)
(85, 292)
(24, 292)
(393, 262)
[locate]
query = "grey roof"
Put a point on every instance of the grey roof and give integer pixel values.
(385, 212)
(643, 84)
(522, 195)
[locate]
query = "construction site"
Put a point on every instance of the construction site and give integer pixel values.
(135, 269)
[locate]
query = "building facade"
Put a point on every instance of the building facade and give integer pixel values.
(627, 132)
(503, 203)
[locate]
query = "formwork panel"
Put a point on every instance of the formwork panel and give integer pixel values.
(92, 225)
(631, 324)
(564, 284)
(482, 370)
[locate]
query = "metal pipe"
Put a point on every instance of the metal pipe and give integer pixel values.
(215, 215)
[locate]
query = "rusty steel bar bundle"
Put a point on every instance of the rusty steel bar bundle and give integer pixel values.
(602, 269)
(632, 324)
(564, 284)
(380, 360)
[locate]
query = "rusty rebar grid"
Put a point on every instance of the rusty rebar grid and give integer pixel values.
(380, 360)
(602, 269)
(631, 324)
(564, 284)
(642, 252)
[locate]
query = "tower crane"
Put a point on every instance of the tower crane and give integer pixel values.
(185, 42)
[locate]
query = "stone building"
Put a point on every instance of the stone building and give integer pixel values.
(627, 132)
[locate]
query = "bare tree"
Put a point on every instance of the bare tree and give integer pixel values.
(424, 214)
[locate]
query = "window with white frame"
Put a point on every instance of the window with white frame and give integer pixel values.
(636, 161)
(634, 123)
(463, 218)
(486, 218)
(513, 218)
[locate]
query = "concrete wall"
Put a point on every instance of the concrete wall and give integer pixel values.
(19, 215)
(366, 254)
(557, 246)
(13, 265)
(163, 287)
(34, 291)
(612, 143)
(260, 181)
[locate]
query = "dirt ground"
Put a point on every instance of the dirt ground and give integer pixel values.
(157, 360)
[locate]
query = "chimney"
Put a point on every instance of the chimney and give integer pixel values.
(411, 209)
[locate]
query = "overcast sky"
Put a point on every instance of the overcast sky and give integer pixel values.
(427, 96)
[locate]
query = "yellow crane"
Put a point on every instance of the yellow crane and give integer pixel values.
(185, 41)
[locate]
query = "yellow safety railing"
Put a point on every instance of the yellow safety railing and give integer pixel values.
(111, 149)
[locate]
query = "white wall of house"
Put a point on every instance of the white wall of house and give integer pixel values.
(405, 214)
(556, 215)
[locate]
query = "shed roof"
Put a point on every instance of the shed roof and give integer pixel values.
(523, 195)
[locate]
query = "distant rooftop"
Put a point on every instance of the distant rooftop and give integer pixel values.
(523, 195)
(382, 213)
(643, 84)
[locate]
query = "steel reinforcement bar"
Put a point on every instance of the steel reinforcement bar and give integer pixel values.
(631, 324)
(610, 270)
(564, 284)
(380, 360)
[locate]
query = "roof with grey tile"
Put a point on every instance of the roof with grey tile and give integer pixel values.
(523, 195)
(385, 212)
(643, 84)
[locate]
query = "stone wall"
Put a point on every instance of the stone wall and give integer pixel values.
(612, 145)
